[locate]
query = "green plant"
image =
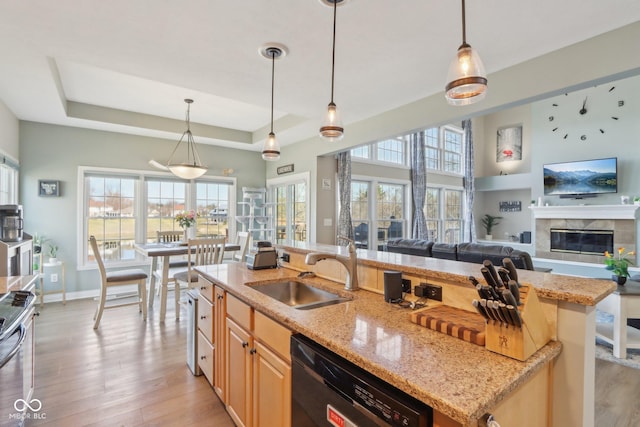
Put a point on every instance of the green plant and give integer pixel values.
(38, 242)
(618, 265)
(53, 250)
(187, 219)
(490, 221)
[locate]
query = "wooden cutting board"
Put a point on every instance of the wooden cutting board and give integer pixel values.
(462, 324)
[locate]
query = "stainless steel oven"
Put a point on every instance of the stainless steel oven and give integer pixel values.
(17, 359)
(328, 390)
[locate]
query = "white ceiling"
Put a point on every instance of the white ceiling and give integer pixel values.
(126, 66)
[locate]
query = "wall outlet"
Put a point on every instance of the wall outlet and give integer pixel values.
(54, 277)
(406, 286)
(433, 292)
(285, 257)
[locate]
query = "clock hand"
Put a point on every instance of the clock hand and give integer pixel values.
(583, 110)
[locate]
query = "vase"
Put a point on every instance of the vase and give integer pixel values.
(185, 238)
(620, 280)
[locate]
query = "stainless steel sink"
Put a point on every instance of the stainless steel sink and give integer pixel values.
(299, 295)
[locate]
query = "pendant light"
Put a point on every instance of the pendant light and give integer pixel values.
(467, 81)
(191, 168)
(332, 129)
(271, 149)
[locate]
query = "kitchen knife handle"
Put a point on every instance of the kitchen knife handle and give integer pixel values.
(488, 277)
(508, 298)
(505, 313)
(504, 275)
(515, 315)
(473, 281)
(513, 272)
(480, 309)
(483, 304)
(492, 270)
(490, 293)
(496, 310)
(515, 290)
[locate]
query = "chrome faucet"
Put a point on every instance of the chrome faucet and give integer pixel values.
(350, 263)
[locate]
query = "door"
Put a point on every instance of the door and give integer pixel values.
(239, 402)
(291, 209)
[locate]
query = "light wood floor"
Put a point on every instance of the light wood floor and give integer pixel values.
(132, 373)
(127, 373)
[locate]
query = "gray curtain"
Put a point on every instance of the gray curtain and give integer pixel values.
(469, 234)
(418, 185)
(345, 227)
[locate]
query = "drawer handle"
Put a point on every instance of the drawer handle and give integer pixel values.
(253, 351)
(245, 344)
(220, 296)
(203, 317)
(203, 357)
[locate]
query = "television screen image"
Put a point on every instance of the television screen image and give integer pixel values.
(586, 177)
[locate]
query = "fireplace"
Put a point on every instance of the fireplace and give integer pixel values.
(594, 242)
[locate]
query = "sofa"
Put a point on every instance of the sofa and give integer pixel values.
(466, 252)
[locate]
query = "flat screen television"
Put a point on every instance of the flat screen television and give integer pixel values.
(584, 178)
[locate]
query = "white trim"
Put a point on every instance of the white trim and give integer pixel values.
(586, 212)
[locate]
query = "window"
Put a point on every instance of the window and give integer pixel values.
(385, 212)
(360, 152)
(388, 151)
(291, 207)
(8, 185)
(121, 208)
(443, 211)
(444, 149)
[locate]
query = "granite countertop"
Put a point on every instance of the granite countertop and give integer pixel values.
(457, 378)
(579, 290)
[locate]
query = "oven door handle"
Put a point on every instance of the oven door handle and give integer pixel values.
(23, 335)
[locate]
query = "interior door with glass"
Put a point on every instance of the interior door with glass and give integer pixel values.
(291, 211)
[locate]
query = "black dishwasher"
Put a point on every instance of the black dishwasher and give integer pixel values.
(328, 390)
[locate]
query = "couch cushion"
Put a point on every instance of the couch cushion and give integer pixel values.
(476, 253)
(409, 246)
(522, 260)
(445, 251)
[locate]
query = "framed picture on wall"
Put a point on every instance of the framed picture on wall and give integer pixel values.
(47, 188)
(509, 144)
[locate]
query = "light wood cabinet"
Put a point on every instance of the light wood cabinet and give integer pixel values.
(219, 331)
(205, 324)
(258, 368)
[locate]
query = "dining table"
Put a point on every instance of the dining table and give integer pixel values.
(162, 252)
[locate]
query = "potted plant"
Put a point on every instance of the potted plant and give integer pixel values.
(636, 200)
(619, 265)
(53, 253)
(488, 222)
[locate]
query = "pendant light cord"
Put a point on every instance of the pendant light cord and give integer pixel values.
(464, 25)
(333, 52)
(273, 67)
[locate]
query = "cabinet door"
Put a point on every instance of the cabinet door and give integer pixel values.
(219, 331)
(205, 356)
(271, 389)
(205, 318)
(239, 343)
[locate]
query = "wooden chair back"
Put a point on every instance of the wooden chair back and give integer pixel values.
(169, 236)
(242, 238)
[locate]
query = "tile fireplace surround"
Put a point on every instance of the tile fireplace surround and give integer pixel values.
(622, 219)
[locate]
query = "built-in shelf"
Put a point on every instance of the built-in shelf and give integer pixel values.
(586, 212)
(518, 181)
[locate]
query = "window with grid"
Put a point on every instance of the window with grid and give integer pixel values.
(291, 202)
(390, 211)
(443, 211)
(212, 206)
(360, 212)
(111, 215)
(165, 199)
(360, 152)
(391, 151)
(444, 149)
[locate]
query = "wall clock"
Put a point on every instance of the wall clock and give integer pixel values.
(585, 114)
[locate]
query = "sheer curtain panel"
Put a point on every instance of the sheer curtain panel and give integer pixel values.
(418, 185)
(345, 227)
(469, 234)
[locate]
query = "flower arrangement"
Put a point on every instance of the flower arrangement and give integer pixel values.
(187, 219)
(618, 265)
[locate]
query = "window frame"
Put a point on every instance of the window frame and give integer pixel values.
(442, 151)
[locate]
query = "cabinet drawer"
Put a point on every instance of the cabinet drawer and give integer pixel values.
(206, 288)
(205, 357)
(205, 318)
(240, 312)
(273, 335)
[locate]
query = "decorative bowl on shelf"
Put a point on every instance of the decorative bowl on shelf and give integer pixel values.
(262, 220)
(242, 219)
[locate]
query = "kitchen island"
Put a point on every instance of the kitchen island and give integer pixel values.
(460, 380)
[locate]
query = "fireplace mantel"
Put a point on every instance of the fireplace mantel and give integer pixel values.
(586, 212)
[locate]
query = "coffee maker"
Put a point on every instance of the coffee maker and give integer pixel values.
(11, 223)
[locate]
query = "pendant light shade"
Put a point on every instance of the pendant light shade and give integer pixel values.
(191, 168)
(331, 128)
(466, 79)
(271, 149)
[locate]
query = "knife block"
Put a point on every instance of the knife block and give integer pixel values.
(521, 343)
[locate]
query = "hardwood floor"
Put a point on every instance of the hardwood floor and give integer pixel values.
(127, 373)
(132, 373)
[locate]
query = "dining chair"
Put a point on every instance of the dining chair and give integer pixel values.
(203, 251)
(242, 239)
(170, 236)
(110, 279)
